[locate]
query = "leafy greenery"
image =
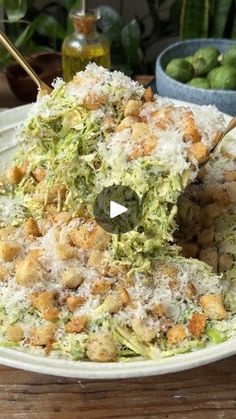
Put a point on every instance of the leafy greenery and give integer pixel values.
(208, 18)
(34, 28)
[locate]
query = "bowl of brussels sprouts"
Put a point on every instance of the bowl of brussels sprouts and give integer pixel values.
(201, 71)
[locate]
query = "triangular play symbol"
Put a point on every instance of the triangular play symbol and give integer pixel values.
(116, 209)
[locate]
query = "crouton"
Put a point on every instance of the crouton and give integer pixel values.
(43, 299)
(126, 123)
(15, 333)
(71, 278)
(225, 261)
(101, 347)
(73, 302)
(44, 226)
(31, 228)
(162, 117)
(197, 151)
(213, 307)
(140, 130)
(50, 313)
(148, 94)
(40, 336)
(133, 108)
(157, 310)
(65, 251)
(14, 175)
(191, 132)
(176, 334)
(87, 238)
(39, 173)
(100, 286)
(197, 324)
(113, 303)
(9, 250)
(76, 325)
(144, 332)
(206, 237)
(125, 297)
(143, 147)
(190, 290)
(7, 232)
(96, 258)
(190, 249)
(93, 102)
(210, 256)
(3, 273)
(167, 270)
(230, 175)
(62, 217)
(29, 271)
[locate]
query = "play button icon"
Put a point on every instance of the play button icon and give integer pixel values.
(117, 209)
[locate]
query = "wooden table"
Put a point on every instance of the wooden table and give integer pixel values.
(203, 393)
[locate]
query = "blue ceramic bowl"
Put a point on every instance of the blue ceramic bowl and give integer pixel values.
(225, 100)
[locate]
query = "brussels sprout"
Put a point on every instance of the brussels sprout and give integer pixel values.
(229, 57)
(180, 69)
(190, 59)
(223, 78)
(205, 60)
(199, 82)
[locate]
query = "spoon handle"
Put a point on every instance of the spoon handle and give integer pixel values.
(5, 41)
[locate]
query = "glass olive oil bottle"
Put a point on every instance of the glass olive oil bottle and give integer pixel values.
(85, 45)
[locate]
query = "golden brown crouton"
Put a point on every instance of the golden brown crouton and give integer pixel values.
(43, 299)
(76, 325)
(9, 250)
(50, 313)
(197, 151)
(87, 238)
(197, 324)
(157, 310)
(206, 237)
(126, 123)
(176, 334)
(40, 336)
(225, 261)
(15, 333)
(143, 147)
(31, 228)
(140, 130)
(39, 173)
(71, 278)
(29, 271)
(100, 286)
(191, 132)
(93, 102)
(162, 117)
(101, 347)
(230, 175)
(148, 94)
(65, 251)
(213, 307)
(14, 175)
(7, 232)
(113, 303)
(73, 302)
(3, 273)
(144, 332)
(190, 249)
(44, 226)
(210, 256)
(63, 217)
(190, 290)
(133, 108)
(96, 258)
(125, 297)
(167, 270)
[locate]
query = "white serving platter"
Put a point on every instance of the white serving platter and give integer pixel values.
(93, 370)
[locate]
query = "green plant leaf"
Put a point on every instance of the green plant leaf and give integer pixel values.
(71, 4)
(25, 36)
(47, 25)
(220, 17)
(195, 18)
(111, 23)
(131, 37)
(15, 9)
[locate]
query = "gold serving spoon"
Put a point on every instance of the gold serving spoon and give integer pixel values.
(5, 41)
(230, 127)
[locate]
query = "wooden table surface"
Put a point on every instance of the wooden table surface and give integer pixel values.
(208, 392)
